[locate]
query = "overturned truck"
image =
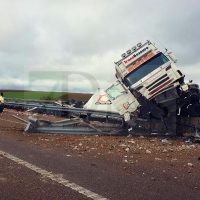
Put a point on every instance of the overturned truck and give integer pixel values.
(150, 86)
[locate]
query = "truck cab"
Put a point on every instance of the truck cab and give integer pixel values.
(151, 77)
(122, 99)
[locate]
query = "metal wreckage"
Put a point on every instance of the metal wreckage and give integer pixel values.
(149, 94)
(150, 91)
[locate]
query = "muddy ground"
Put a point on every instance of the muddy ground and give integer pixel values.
(175, 158)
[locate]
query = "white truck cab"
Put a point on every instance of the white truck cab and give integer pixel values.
(149, 72)
(122, 99)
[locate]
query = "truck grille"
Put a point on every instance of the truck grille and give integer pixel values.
(159, 84)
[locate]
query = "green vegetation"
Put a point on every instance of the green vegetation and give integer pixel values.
(39, 95)
(34, 95)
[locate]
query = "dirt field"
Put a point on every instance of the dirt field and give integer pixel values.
(175, 159)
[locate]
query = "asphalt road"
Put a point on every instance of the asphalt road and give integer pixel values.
(30, 172)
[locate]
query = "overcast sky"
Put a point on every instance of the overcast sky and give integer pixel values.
(71, 45)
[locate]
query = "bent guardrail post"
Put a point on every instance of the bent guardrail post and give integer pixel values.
(67, 126)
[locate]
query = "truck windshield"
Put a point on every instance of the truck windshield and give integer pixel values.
(145, 69)
(113, 92)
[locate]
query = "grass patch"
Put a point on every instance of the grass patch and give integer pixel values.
(40, 95)
(34, 95)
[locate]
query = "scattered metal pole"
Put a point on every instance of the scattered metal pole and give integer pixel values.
(67, 126)
(23, 120)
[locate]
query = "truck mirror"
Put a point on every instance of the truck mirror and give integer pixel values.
(172, 57)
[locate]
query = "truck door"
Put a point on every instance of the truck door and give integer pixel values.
(121, 98)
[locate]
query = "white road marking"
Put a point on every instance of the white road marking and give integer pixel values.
(54, 177)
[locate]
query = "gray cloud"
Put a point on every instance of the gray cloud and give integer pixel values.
(89, 36)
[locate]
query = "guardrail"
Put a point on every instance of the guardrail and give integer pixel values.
(28, 100)
(42, 105)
